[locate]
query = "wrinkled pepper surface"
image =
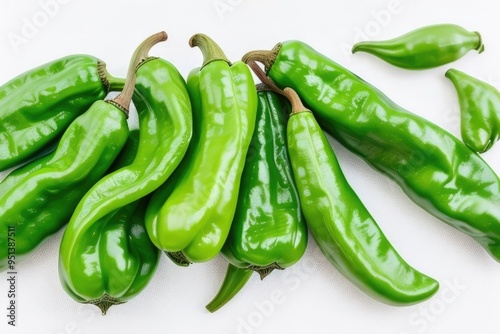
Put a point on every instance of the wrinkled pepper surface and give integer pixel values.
(268, 230)
(38, 105)
(344, 230)
(435, 169)
(39, 198)
(165, 131)
(119, 260)
(190, 215)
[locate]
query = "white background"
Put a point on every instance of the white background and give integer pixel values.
(311, 296)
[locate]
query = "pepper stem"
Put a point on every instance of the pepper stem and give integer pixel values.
(262, 87)
(267, 81)
(289, 93)
(295, 101)
(123, 100)
(115, 83)
(265, 57)
(210, 50)
(110, 82)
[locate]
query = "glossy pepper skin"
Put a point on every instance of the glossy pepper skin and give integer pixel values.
(426, 47)
(165, 130)
(38, 105)
(342, 227)
(39, 198)
(164, 111)
(435, 169)
(479, 110)
(268, 230)
(117, 260)
(189, 218)
(234, 280)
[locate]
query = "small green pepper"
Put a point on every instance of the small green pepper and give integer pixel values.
(190, 215)
(426, 47)
(343, 228)
(38, 105)
(479, 110)
(435, 169)
(268, 230)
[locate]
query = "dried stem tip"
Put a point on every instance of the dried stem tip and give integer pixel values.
(141, 53)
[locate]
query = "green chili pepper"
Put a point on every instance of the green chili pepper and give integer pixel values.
(426, 47)
(268, 230)
(189, 217)
(343, 228)
(38, 105)
(39, 198)
(165, 132)
(435, 169)
(479, 110)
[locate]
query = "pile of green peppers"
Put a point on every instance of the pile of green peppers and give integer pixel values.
(222, 166)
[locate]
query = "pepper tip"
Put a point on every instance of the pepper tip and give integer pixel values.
(193, 41)
(163, 36)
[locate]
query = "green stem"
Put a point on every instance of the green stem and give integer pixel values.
(110, 82)
(115, 84)
(480, 45)
(141, 54)
(235, 280)
(210, 50)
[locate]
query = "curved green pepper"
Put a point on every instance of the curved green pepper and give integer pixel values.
(479, 110)
(165, 130)
(190, 216)
(117, 227)
(118, 262)
(268, 230)
(343, 228)
(39, 198)
(234, 281)
(435, 169)
(426, 47)
(38, 105)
